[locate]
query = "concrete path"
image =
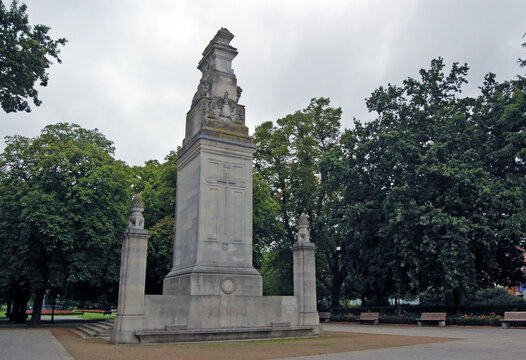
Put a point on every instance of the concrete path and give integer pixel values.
(480, 343)
(30, 344)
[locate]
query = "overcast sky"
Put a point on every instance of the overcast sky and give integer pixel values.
(129, 67)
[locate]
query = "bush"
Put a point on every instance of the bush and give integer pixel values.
(476, 309)
(497, 296)
(460, 315)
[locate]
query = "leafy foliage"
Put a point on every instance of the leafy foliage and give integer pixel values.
(432, 197)
(64, 203)
(25, 54)
(157, 184)
(288, 158)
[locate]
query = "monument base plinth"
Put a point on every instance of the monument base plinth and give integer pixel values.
(179, 336)
(201, 280)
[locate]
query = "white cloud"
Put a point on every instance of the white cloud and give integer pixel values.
(129, 68)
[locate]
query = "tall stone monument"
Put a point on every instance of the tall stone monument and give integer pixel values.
(213, 247)
(213, 292)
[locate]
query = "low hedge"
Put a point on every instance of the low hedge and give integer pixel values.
(411, 318)
(477, 309)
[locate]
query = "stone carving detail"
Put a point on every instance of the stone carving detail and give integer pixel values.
(222, 109)
(203, 90)
(228, 286)
(303, 229)
(136, 220)
(211, 109)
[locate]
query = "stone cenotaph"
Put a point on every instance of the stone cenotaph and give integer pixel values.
(213, 292)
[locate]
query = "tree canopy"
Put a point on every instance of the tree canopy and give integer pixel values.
(157, 183)
(25, 55)
(288, 159)
(64, 202)
(433, 199)
(426, 200)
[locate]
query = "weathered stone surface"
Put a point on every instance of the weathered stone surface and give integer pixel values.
(213, 242)
(305, 275)
(177, 336)
(214, 221)
(212, 312)
(213, 292)
(130, 310)
(215, 110)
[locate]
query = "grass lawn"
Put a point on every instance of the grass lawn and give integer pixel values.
(99, 316)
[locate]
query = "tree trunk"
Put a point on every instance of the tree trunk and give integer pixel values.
(37, 307)
(364, 301)
(9, 307)
(18, 310)
(454, 297)
(335, 296)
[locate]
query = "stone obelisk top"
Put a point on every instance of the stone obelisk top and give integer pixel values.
(215, 111)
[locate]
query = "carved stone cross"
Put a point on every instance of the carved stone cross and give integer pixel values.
(228, 181)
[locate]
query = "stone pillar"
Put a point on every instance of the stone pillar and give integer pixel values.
(130, 310)
(305, 275)
(213, 240)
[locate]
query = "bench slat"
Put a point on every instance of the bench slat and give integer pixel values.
(433, 316)
(439, 317)
(372, 317)
(369, 316)
(515, 315)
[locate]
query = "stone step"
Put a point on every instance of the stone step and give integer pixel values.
(85, 332)
(102, 325)
(98, 329)
(178, 336)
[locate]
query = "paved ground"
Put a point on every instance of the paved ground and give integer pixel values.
(480, 343)
(30, 344)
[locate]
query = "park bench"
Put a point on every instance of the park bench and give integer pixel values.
(432, 318)
(371, 317)
(513, 317)
(325, 316)
(107, 312)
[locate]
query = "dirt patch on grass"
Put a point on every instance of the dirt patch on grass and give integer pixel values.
(330, 342)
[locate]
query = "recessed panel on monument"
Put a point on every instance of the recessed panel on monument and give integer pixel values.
(213, 242)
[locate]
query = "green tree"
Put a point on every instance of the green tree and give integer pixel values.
(25, 55)
(157, 183)
(288, 158)
(64, 204)
(266, 229)
(160, 254)
(432, 193)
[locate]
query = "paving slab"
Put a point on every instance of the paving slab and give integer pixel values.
(30, 344)
(481, 343)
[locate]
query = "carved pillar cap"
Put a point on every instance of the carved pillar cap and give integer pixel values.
(223, 37)
(303, 230)
(137, 203)
(303, 221)
(136, 220)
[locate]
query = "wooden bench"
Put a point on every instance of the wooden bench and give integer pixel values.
(432, 317)
(369, 317)
(325, 316)
(513, 317)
